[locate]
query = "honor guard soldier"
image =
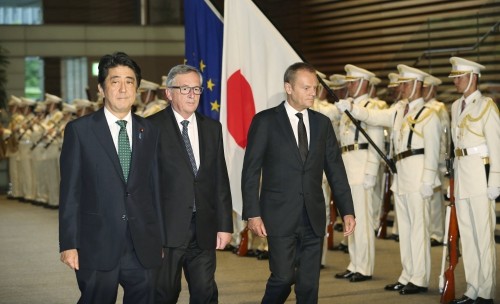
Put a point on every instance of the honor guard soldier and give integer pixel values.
(415, 139)
(328, 109)
(10, 137)
(475, 130)
(429, 93)
(38, 155)
(25, 143)
(362, 164)
(51, 145)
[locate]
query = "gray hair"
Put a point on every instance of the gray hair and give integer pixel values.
(181, 69)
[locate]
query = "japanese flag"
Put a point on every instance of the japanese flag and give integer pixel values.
(254, 59)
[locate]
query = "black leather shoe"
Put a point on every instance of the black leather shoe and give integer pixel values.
(480, 300)
(463, 300)
(340, 247)
(435, 243)
(344, 275)
(411, 288)
(358, 277)
(263, 255)
(253, 253)
(394, 287)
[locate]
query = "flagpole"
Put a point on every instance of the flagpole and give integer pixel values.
(390, 163)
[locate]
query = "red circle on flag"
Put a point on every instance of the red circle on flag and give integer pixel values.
(240, 107)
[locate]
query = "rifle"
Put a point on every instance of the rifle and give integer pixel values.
(389, 162)
(27, 128)
(449, 277)
(329, 229)
(243, 247)
(386, 206)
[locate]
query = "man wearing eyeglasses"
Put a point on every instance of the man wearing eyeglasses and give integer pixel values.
(194, 193)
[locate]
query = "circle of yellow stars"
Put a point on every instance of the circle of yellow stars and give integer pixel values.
(210, 85)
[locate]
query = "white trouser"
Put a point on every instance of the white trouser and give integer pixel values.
(327, 195)
(476, 222)
(437, 215)
(414, 245)
(362, 241)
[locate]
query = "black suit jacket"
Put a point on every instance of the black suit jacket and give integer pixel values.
(96, 204)
(287, 183)
(180, 188)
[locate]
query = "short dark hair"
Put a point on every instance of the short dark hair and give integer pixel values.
(118, 58)
(292, 70)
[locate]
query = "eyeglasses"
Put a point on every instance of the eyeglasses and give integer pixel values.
(186, 90)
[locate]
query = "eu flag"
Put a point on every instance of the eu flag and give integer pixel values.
(203, 30)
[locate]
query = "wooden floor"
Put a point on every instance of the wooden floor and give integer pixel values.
(30, 270)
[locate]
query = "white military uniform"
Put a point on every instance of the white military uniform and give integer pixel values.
(13, 147)
(25, 143)
(417, 164)
(361, 162)
(329, 110)
(437, 201)
(476, 136)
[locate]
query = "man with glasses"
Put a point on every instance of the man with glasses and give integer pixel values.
(195, 195)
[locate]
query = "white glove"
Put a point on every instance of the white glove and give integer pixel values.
(448, 193)
(344, 104)
(426, 191)
(493, 192)
(369, 181)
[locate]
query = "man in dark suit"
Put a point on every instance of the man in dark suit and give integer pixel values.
(195, 194)
(289, 147)
(109, 225)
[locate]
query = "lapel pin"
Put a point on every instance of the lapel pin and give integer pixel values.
(140, 133)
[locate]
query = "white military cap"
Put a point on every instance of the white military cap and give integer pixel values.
(460, 66)
(393, 80)
(14, 100)
(323, 77)
(432, 81)
(41, 106)
(338, 81)
(375, 81)
(68, 108)
(407, 73)
(49, 98)
(147, 85)
(354, 73)
(82, 103)
(27, 101)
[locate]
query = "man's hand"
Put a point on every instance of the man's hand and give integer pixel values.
(256, 225)
(223, 238)
(349, 224)
(70, 258)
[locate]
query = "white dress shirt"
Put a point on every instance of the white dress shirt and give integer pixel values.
(115, 128)
(192, 132)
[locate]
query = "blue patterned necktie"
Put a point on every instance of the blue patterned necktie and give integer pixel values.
(124, 152)
(189, 149)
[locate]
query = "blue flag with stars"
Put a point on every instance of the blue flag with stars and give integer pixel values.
(203, 30)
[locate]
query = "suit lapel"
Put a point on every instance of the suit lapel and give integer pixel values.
(286, 126)
(313, 132)
(103, 135)
(180, 141)
(138, 133)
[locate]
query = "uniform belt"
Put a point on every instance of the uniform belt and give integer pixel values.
(353, 147)
(481, 149)
(408, 153)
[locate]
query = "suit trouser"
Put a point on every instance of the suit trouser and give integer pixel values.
(199, 269)
(327, 195)
(294, 259)
(362, 241)
(476, 222)
(102, 286)
(414, 245)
